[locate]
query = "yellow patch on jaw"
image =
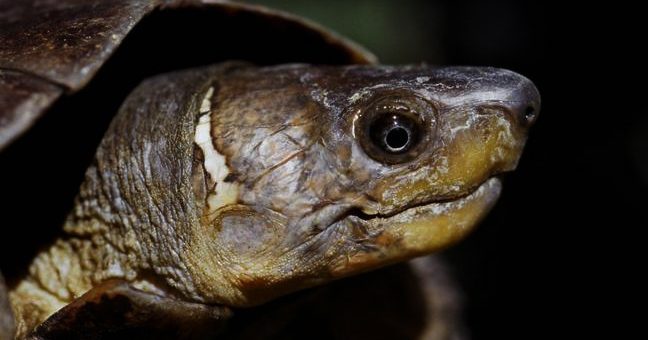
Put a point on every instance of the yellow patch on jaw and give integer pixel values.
(422, 230)
(224, 193)
(434, 231)
(436, 226)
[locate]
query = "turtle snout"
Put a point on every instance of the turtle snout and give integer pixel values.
(524, 103)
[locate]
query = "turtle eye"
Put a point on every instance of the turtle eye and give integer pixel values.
(395, 129)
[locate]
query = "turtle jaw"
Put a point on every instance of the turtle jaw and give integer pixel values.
(416, 231)
(351, 244)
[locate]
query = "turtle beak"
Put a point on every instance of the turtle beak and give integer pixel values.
(420, 230)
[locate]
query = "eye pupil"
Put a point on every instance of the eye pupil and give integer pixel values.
(397, 138)
(394, 133)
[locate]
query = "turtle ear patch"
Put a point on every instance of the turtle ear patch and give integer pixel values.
(246, 235)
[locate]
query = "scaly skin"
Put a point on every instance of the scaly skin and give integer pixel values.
(6, 315)
(233, 185)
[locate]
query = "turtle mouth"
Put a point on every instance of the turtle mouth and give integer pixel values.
(375, 240)
(488, 190)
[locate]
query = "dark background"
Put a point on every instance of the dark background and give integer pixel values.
(552, 255)
(550, 260)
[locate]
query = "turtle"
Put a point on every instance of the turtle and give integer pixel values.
(236, 169)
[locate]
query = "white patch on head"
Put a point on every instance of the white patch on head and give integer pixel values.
(422, 80)
(470, 121)
(505, 138)
(224, 193)
(365, 92)
(356, 96)
(493, 96)
(353, 124)
(205, 105)
(443, 86)
(322, 96)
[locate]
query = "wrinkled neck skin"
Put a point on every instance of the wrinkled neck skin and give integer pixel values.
(234, 185)
(136, 208)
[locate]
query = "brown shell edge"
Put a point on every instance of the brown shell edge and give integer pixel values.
(23, 99)
(85, 35)
(124, 312)
(356, 54)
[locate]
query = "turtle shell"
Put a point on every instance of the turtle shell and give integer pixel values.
(54, 48)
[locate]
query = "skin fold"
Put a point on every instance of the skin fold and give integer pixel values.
(233, 185)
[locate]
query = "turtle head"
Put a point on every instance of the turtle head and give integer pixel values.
(316, 173)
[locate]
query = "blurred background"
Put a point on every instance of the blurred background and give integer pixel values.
(541, 260)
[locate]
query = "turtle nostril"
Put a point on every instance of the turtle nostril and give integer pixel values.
(529, 114)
